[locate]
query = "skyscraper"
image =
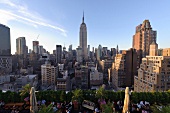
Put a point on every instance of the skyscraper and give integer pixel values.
(143, 37)
(21, 46)
(36, 47)
(83, 39)
(99, 52)
(41, 51)
(88, 50)
(70, 48)
(5, 43)
(5, 50)
(58, 53)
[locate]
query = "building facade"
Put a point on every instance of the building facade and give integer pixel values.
(48, 74)
(124, 69)
(81, 77)
(96, 78)
(165, 52)
(153, 74)
(63, 84)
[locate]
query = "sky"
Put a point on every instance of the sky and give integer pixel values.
(109, 22)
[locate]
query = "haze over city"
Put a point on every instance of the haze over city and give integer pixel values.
(108, 22)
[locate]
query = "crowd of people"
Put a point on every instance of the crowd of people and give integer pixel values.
(68, 107)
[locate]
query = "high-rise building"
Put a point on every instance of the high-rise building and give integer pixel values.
(153, 74)
(88, 50)
(79, 55)
(113, 52)
(5, 41)
(5, 50)
(124, 69)
(41, 50)
(105, 51)
(143, 37)
(36, 47)
(48, 73)
(30, 51)
(58, 54)
(21, 46)
(70, 48)
(99, 52)
(83, 39)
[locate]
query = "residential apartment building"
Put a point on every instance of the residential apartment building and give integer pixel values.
(154, 72)
(48, 74)
(96, 78)
(28, 79)
(82, 77)
(63, 84)
(124, 69)
(105, 65)
(143, 37)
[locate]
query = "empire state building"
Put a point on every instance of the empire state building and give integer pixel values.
(83, 39)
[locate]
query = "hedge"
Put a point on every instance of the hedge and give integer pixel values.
(60, 96)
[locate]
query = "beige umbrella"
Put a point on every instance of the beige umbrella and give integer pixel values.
(126, 101)
(33, 101)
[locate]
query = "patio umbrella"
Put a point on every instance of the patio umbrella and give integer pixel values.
(126, 101)
(33, 101)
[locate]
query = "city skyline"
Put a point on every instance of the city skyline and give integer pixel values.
(58, 24)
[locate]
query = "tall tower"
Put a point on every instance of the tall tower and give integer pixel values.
(83, 39)
(5, 50)
(5, 41)
(21, 46)
(143, 37)
(36, 46)
(58, 53)
(117, 50)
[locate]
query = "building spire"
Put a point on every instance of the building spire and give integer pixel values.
(117, 50)
(83, 17)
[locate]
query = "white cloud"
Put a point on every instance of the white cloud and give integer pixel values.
(20, 12)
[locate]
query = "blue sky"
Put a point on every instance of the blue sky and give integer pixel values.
(109, 22)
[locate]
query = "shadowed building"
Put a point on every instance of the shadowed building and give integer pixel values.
(58, 54)
(5, 50)
(124, 69)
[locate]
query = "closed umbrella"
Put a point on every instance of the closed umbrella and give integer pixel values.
(33, 101)
(126, 101)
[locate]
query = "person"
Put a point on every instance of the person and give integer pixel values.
(96, 110)
(55, 108)
(16, 111)
(67, 111)
(43, 102)
(13, 111)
